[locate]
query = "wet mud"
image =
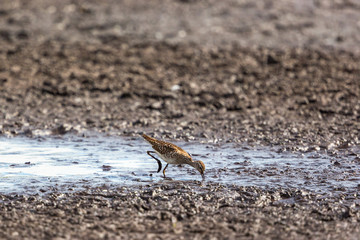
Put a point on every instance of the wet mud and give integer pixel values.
(108, 187)
(180, 210)
(279, 78)
(71, 163)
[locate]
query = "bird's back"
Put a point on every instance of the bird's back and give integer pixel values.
(168, 150)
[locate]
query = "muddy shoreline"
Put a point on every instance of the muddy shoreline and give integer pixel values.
(180, 210)
(279, 74)
(316, 107)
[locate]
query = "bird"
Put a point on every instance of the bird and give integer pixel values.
(172, 154)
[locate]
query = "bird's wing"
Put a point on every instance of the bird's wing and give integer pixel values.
(166, 147)
(163, 148)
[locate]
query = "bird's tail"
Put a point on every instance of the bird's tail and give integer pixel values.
(151, 140)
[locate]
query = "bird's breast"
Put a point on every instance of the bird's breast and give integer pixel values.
(170, 158)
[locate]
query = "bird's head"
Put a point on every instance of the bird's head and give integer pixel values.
(200, 166)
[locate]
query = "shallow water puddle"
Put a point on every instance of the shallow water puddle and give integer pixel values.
(32, 165)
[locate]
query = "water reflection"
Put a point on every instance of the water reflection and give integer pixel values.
(31, 164)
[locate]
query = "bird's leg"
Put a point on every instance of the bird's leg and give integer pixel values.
(158, 161)
(165, 169)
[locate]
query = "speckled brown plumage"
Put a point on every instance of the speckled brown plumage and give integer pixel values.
(172, 154)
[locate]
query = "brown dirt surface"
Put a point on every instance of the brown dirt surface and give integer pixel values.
(266, 72)
(178, 211)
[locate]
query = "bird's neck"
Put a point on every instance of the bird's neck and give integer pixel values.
(193, 164)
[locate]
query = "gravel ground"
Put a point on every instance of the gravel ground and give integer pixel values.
(268, 73)
(179, 210)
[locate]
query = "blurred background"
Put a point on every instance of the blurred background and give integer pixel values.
(264, 71)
